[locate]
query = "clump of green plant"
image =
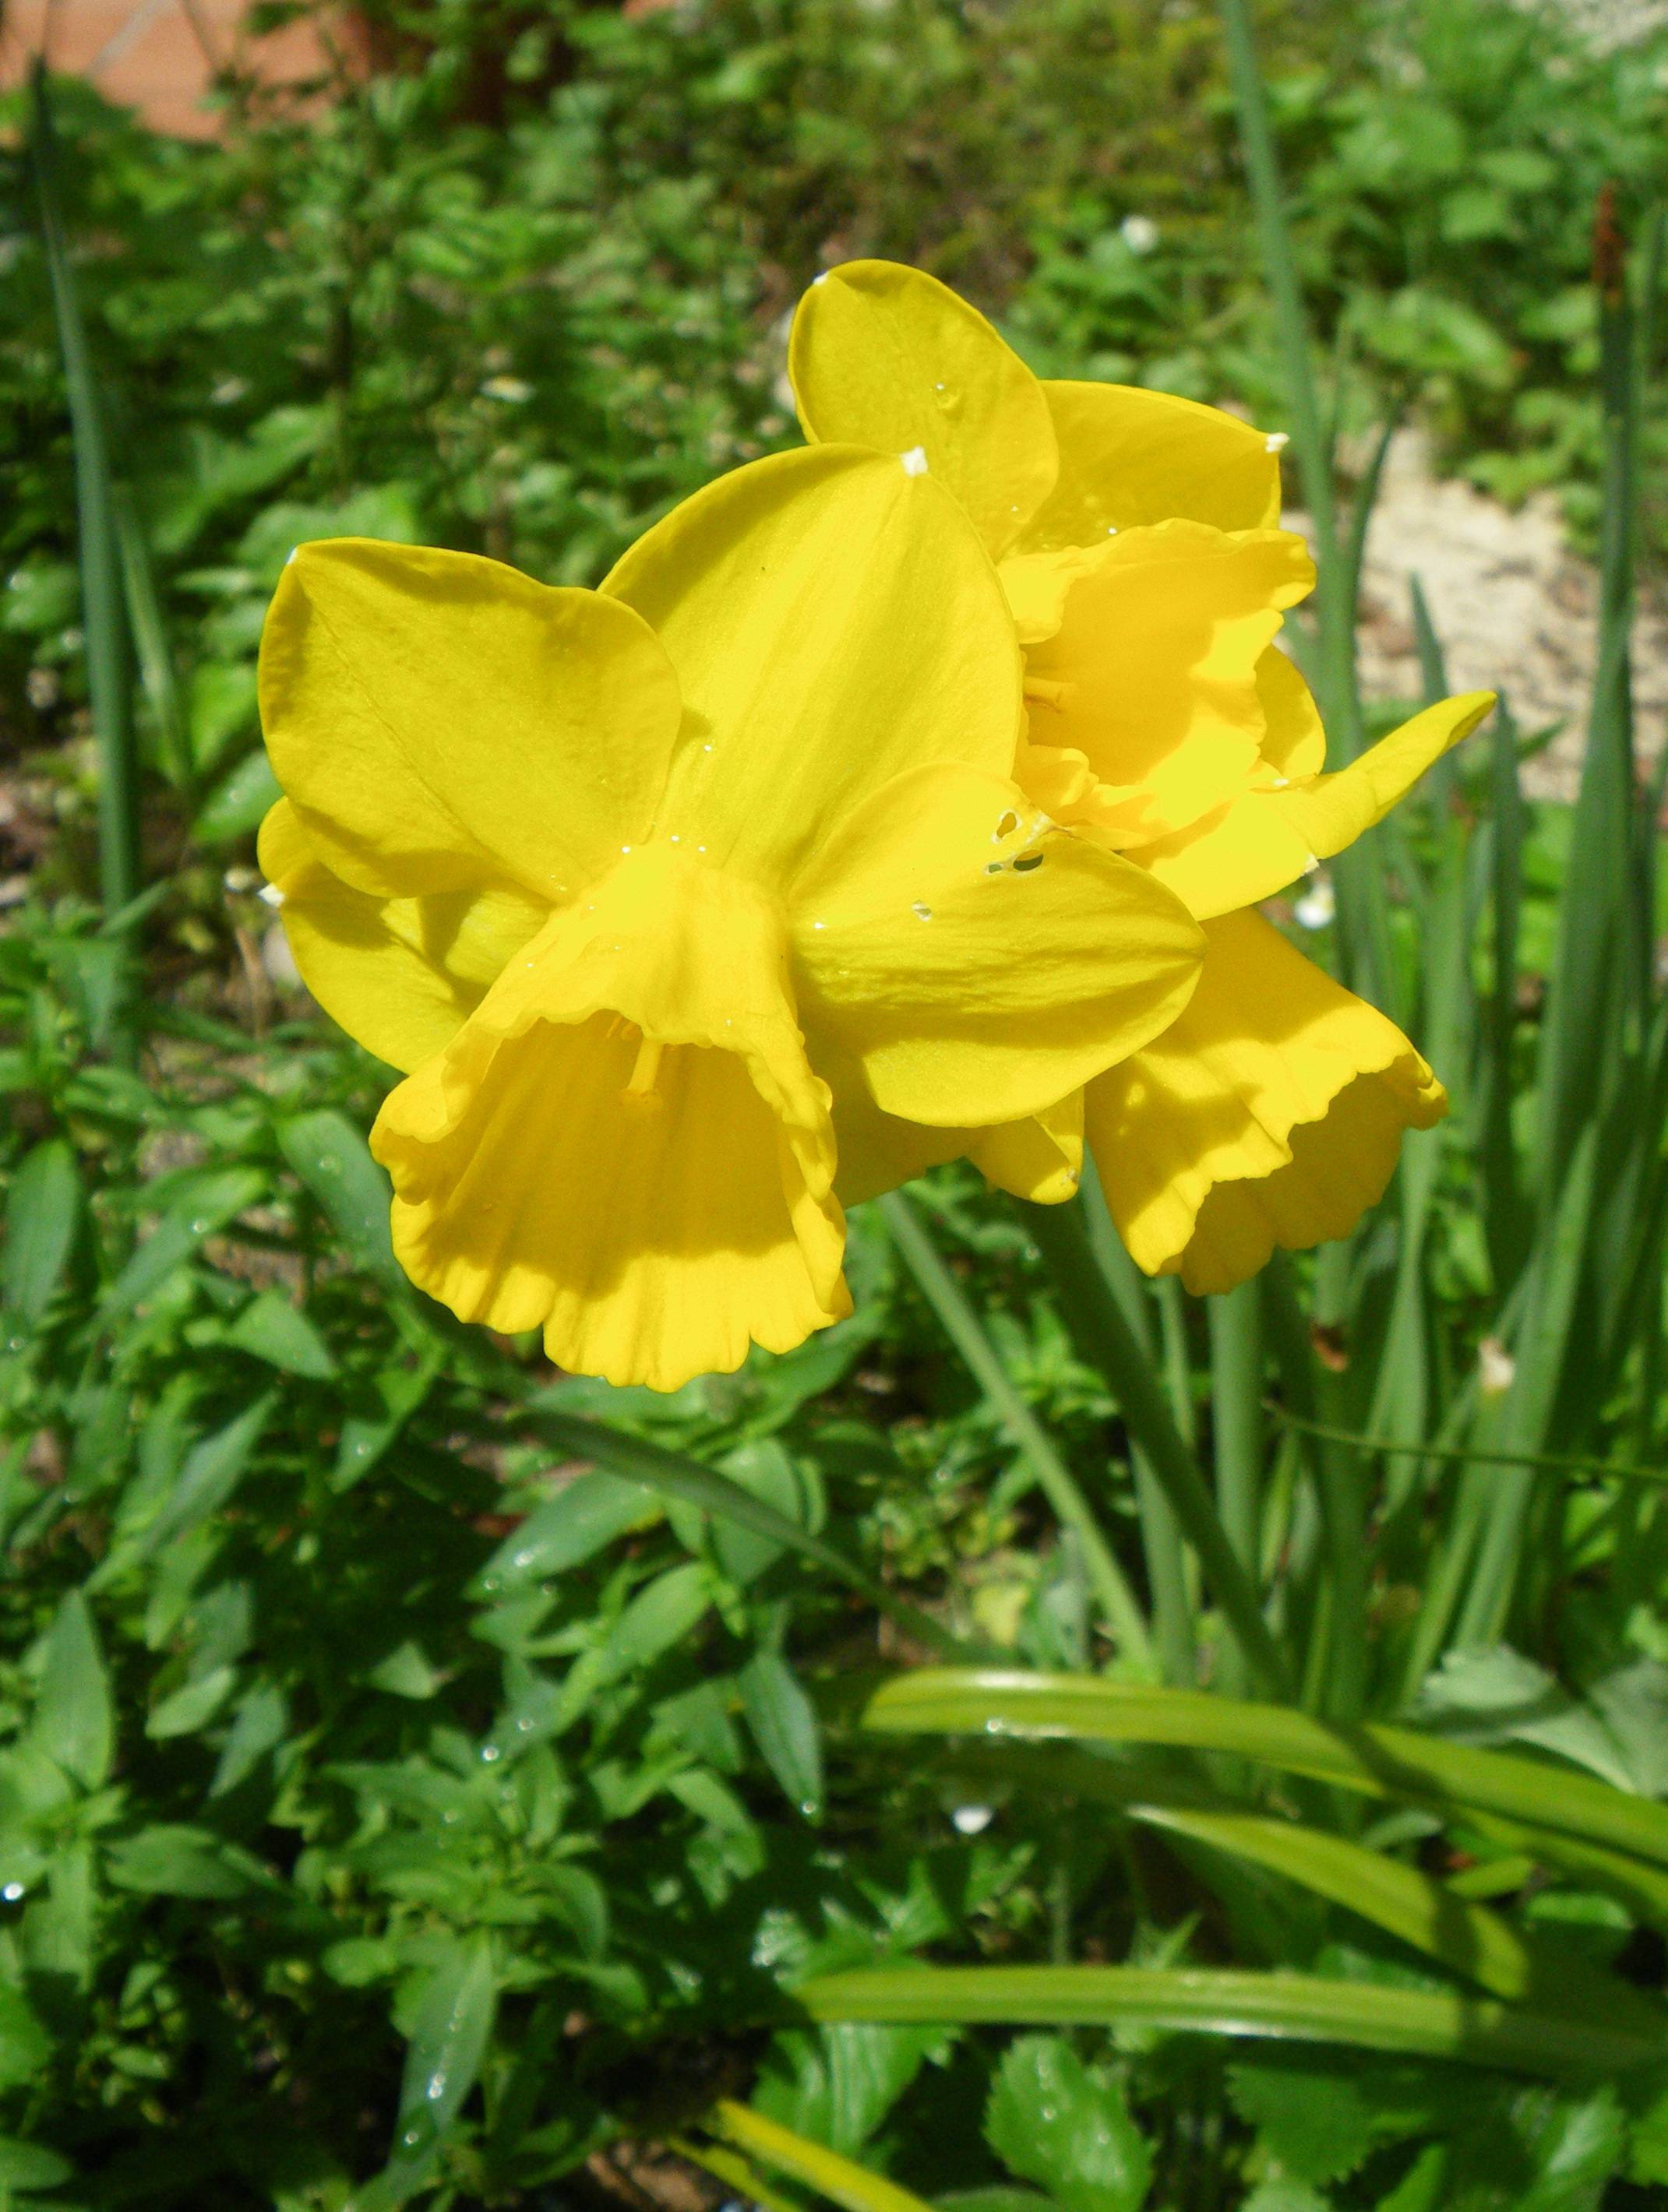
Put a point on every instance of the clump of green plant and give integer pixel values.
(427, 1779)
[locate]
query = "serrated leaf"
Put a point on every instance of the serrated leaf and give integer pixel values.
(1055, 2121)
(1320, 2122)
(837, 2084)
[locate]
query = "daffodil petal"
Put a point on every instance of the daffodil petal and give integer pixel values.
(977, 962)
(832, 621)
(1294, 738)
(886, 357)
(1265, 840)
(1129, 456)
(624, 1144)
(1270, 1113)
(438, 719)
(400, 975)
(1040, 1159)
(1152, 672)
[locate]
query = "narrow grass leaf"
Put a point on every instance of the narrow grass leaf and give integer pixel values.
(841, 2180)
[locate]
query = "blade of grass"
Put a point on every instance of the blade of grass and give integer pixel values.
(844, 2183)
(1466, 1455)
(150, 634)
(1173, 1624)
(102, 619)
(1293, 2006)
(1119, 1607)
(1061, 1233)
(686, 1480)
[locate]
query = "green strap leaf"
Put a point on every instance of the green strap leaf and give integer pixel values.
(1303, 2008)
(1381, 1761)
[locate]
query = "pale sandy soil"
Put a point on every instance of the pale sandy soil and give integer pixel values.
(1513, 607)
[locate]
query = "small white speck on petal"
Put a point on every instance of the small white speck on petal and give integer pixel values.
(1280, 783)
(922, 911)
(914, 461)
(1275, 442)
(820, 925)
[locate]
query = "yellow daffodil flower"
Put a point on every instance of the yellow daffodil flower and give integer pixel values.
(648, 887)
(1137, 540)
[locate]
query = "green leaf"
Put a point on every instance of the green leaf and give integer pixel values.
(1320, 2123)
(43, 1212)
(839, 2179)
(837, 2084)
(686, 1480)
(74, 1718)
(25, 2046)
(206, 1205)
(193, 1706)
(570, 1527)
(1382, 1762)
(238, 804)
(1053, 2120)
(272, 1329)
(212, 1473)
(175, 1860)
(448, 2040)
(784, 1727)
(30, 2165)
(333, 1160)
(1303, 2007)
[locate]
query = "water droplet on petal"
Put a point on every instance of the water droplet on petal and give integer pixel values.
(915, 462)
(921, 910)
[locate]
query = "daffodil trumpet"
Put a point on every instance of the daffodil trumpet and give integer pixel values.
(1138, 543)
(656, 892)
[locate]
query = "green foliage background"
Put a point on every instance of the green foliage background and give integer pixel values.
(395, 1807)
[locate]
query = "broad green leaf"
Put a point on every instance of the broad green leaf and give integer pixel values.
(841, 2181)
(43, 1212)
(784, 1727)
(192, 1707)
(204, 1206)
(75, 1720)
(571, 1527)
(1055, 2121)
(272, 1329)
(30, 2165)
(367, 1434)
(333, 1160)
(448, 2040)
(174, 1860)
(1303, 2007)
(262, 1721)
(212, 1471)
(237, 805)
(25, 2046)
(405, 1672)
(1383, 1762)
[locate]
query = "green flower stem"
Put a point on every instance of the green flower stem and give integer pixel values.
(1117, 1602)
(1060, 1232)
